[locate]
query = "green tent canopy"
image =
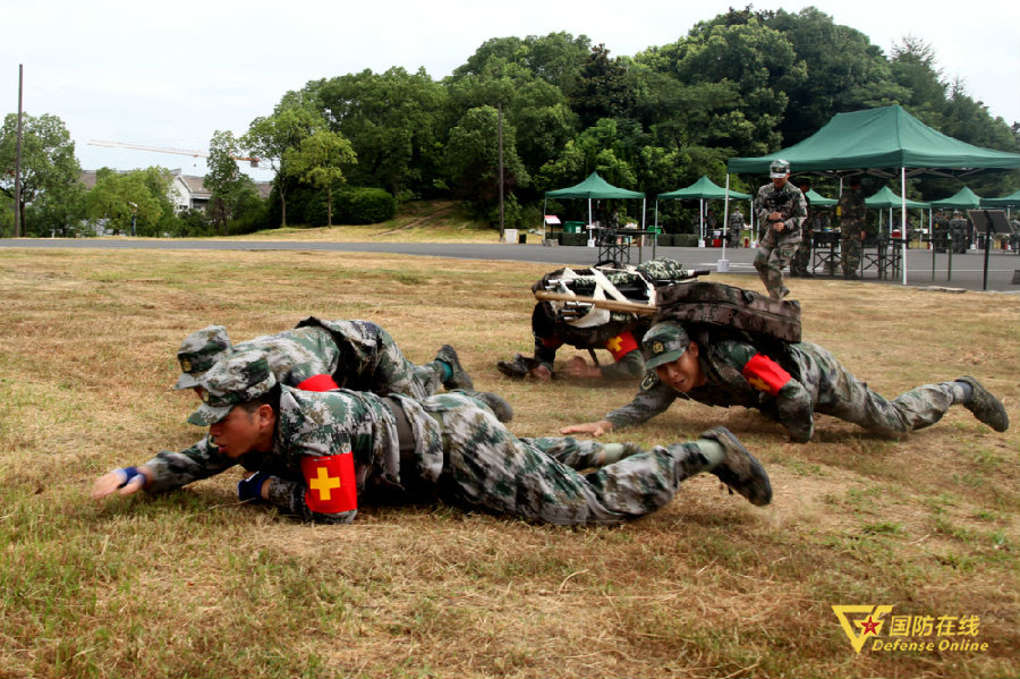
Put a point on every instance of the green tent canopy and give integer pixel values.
(885, 137)
(593, 187)
(885, 198)
(818, 200)
(961, 200)
(1012, 200)
(705, 189)
(701, 190)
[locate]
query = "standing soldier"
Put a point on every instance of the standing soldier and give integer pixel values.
(802, 258)
(959, 230)
(781, 210)
(736, 228)
(940, 238)
(851, 212)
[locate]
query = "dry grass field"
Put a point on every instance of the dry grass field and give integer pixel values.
(192, 584)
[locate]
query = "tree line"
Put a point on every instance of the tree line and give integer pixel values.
(744, 83)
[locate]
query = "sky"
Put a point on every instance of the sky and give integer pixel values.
(168, 75)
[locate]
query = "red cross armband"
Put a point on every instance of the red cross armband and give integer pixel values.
(332, 488)
(765, 374)
(621, 345)
(321, 382)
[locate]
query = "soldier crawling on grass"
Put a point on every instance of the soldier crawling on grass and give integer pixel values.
(325, 354)
(787, 381)
(321, 355)
(619, 333)
(318, 455)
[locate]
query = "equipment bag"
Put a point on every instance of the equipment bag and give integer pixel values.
(728, 307)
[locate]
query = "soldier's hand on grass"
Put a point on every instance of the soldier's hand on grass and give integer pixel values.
(578, 367)
(596, 429)
(540, 373)
(124, 481)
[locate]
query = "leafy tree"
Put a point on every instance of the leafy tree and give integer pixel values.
(845, 72)
(119, 197)
(472, 157)
(604, 90)
(394, 122)
(57, 212)
(556, 58)
(320, 160)
(47, 158)
(227, 184)
(270, 137)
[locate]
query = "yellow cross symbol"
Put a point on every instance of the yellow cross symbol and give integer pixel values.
(324, 483)
(614, 344)
(758, 383)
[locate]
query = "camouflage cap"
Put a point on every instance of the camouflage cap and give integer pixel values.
(198, 352)
(779, 168)
(239, 378)
(664, 343)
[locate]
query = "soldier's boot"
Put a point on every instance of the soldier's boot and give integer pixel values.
(496, 403)
(738, 469)
(518, 367)
(458, 378)
(985, 406)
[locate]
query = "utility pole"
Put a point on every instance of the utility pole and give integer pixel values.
(499, 134)
(17, 161)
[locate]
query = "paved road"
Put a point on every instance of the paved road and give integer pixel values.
(967, 271)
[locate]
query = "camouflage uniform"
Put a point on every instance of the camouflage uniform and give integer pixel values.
(356, 354)
(620, 336)
(459, 452)
(959, 230)
(775, 249)
(736, 229)
(802, 257)
(940, 235)
(852, 213)
(809, 379)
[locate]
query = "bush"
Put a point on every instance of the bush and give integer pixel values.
(363, 205)
(685, 240)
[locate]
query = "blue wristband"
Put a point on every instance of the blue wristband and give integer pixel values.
(250, 489)
(129, 474)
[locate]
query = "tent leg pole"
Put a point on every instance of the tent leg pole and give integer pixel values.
(903, 220)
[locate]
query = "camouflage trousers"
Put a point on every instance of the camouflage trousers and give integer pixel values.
(537, 479)
(370, 360)
(802, 257)
(770, 261)
(850, 257)
(835, 391)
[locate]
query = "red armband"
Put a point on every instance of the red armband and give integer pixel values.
(332, 488)
(621, 345)
(321, 382)
(765, 374)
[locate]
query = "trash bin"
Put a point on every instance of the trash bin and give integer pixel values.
(522, 238)
(509, 235)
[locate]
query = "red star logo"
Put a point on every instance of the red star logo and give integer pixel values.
(869, 627)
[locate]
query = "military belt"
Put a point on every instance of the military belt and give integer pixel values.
(405, 439)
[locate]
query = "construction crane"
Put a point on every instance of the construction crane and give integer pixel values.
(163, 149)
